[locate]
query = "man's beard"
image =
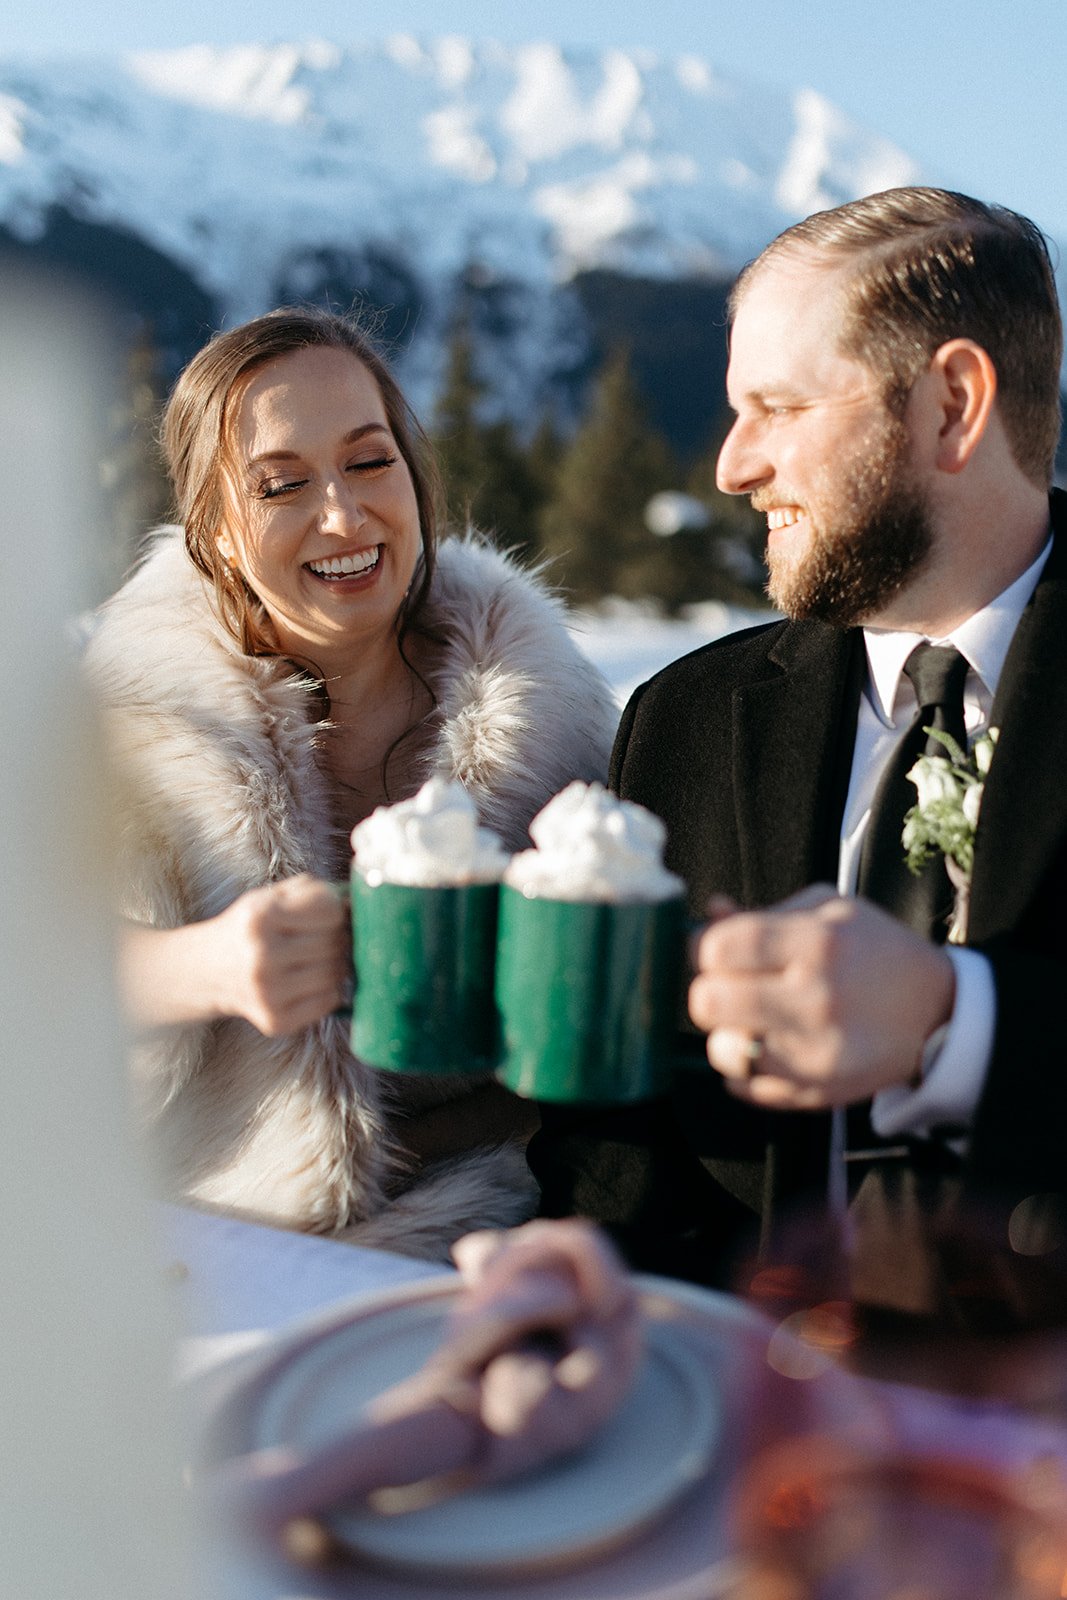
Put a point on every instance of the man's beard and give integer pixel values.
(878, 541)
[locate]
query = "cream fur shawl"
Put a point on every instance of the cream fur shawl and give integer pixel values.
(220, 792)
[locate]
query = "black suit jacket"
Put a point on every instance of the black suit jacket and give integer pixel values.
(744, 748)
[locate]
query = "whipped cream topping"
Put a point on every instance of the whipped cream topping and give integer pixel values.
(431, 841)
(591, 846)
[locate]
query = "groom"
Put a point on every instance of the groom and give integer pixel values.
(894, 374)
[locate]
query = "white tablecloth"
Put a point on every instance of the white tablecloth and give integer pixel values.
(235, 1284)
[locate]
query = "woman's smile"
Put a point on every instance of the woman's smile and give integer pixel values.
(335, 568)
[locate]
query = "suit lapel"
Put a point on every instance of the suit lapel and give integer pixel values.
(793, 734)
(1023, 806)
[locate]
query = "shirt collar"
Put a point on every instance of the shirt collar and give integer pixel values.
(983, 638)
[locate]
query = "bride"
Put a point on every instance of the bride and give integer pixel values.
(302, 649)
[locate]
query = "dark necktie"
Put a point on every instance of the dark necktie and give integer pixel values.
(924, 902)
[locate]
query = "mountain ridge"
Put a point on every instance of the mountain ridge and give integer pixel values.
(589, 159)
(429, 176)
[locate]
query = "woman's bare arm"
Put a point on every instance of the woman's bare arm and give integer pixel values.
(278, 956)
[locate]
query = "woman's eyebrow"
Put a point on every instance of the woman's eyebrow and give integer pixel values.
(352, 437)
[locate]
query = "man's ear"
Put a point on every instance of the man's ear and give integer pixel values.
(965, 387)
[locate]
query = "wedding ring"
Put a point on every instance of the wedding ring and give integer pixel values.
(752, 1051)
(739, 1053)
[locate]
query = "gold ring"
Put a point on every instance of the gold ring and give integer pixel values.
(752, 1052)
(741, 1052)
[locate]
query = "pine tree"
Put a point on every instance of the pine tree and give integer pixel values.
(544, 456)
(737, 534)
(132, 474)
(511, 496)
(488, 479)
(593, 526)
(455, 431)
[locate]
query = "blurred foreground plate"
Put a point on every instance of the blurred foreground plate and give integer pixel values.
(635, 1513)
(657, 1445)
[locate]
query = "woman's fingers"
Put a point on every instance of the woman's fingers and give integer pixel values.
(287, 947)
(305, 904)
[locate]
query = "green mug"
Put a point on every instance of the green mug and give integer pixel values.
(588, 997)
(424, 962)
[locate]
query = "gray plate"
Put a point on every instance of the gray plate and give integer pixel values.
(654, 1448)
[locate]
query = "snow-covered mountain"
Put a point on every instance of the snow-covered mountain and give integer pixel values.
(405, 166)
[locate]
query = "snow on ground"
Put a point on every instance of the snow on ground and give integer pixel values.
(629, 641)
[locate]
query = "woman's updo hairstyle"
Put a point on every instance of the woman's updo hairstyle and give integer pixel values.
(196, 438)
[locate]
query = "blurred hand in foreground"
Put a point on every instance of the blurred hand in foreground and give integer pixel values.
(541, 1347)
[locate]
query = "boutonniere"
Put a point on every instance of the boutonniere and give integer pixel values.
(945, 816)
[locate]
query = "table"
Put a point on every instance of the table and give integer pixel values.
(239, 1290)
(235, 1284)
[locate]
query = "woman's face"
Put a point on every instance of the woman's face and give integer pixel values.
(320, 512)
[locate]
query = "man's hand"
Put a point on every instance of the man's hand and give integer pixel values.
(840, 997)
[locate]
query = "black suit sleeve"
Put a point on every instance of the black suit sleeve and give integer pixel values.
(622, 740)
(1018, 1140)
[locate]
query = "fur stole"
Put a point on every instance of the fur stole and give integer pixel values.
(219, 791)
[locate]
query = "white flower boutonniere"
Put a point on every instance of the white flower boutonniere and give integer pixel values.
(945, 816)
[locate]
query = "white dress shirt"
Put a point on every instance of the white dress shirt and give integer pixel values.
(954, 1070)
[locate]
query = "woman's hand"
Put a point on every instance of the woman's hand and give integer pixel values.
(278, 956)
(285, 954)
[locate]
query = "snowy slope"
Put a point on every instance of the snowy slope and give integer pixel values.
(532, 162)
(630, 642)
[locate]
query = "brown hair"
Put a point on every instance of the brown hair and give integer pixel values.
(932, 265)
(195, 429)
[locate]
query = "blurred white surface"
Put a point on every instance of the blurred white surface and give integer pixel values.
(233, 1284)
(90, 1505)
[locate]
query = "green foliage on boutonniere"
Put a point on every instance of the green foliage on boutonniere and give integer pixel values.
(945, 817)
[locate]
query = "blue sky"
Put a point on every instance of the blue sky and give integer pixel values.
(973, 89)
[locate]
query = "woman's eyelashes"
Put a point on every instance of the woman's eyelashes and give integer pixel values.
(272, 488)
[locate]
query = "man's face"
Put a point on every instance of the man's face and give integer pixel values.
(816, 449)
